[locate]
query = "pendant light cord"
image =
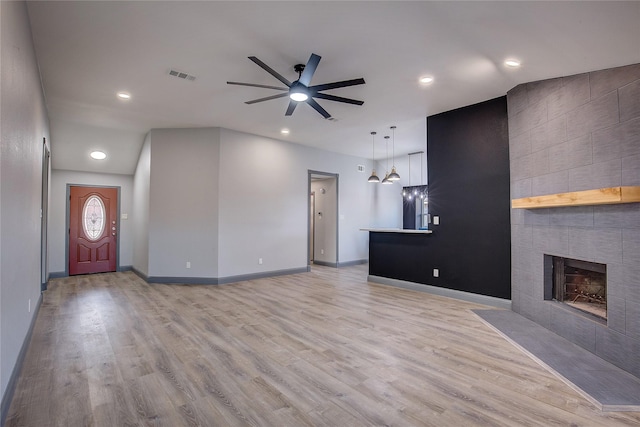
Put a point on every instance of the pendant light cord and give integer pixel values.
(387, 143)
(393, 133)
(373, 148)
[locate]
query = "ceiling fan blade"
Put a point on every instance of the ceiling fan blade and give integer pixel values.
(270, 70)
(268, 98)
(318, 108)
(257, 85)
(338, 98)
(292, 106)
(309, 69)
(336, 85)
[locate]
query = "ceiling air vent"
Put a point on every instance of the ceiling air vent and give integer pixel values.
(181, 75)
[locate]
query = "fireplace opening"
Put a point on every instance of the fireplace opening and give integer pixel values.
(581, 285)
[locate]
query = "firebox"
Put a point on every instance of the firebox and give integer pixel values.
(581, 285)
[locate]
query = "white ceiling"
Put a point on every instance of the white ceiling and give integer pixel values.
(88, 51)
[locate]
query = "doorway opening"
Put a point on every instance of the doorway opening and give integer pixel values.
(323, 218)
(44, 215)
(312, 224)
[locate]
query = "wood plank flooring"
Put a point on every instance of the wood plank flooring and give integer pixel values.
(323, 348)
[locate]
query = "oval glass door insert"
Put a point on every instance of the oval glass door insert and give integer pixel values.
(93, 218)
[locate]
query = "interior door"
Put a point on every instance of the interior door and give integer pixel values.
(92, 229)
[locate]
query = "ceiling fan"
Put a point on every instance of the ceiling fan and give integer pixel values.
(299, 90)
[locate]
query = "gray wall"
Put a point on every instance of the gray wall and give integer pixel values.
(568, 134)
(222, 199)
(263, 203)
(24, 123)
(183, 202)
(58, 214)
(140, 217)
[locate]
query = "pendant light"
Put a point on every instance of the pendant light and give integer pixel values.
(393, 176)
(373, 177)
(386, 179)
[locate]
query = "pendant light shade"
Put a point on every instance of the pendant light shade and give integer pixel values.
(373, 177)
(393, 176)
(386, 179)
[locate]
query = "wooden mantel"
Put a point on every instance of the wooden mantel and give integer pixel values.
(600, 196)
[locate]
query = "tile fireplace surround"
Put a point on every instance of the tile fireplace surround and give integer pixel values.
(569, 134)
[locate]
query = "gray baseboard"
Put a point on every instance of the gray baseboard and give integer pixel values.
(17, 368)
(140, 274)
(217, 280)
(243, 277)
(354, 262)
(325, 263)
(125, 268)
(341, 264)
(445, 292)
(58, 274)
(168, 280)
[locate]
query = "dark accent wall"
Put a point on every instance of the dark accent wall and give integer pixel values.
(468, 164)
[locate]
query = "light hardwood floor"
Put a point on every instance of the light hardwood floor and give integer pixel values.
(324, 348)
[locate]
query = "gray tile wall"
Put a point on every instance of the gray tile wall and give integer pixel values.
(568, 134)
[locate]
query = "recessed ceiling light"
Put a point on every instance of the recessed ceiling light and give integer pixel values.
(285, 131)
(124, 95)
(425, 80)
(98, 155)
(512, 63)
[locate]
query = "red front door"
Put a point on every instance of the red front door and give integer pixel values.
(92, 229)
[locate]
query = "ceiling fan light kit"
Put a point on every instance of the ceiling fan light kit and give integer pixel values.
(300, 90)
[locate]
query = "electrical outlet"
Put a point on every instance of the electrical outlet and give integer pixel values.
(260, 261)
(436, 220)
(29, 305)
(321, 251)
(436, 272)
(188, 264)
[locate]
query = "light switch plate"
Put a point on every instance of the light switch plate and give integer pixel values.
(436, 220)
